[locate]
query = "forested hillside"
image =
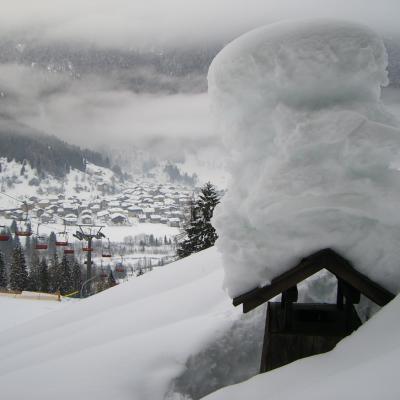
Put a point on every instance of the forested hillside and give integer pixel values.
(47, 154)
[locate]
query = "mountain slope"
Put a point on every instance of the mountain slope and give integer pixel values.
(47, 154)
(128, 342)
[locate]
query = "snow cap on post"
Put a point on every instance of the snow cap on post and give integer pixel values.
(303, 63)
(313, 151)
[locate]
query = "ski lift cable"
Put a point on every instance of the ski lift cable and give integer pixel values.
(12, 197)
(26, 206)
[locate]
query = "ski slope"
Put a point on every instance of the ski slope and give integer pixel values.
(174, 331)
(18, 311)
(128, 342)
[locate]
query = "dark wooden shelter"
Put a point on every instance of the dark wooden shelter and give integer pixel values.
(296, 330)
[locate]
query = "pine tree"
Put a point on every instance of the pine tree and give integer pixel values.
(44, 276)
(3, 273)
(7, 248)
(52, 249)
(34, 272)
(65, 278)
(18, 272)
(54, 274)
(111, 280)
(200, 234)
(208, 200)
(29, 248)
(76, 276)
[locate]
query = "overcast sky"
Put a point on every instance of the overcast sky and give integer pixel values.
(144, 22)
(97, 107)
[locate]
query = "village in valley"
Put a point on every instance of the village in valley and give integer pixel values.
(139, 218)
(97, 197)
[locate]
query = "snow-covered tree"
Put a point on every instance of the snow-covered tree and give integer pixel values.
(3, 273)
(18, 272)
(66, 284)
(200, 234)
(34, 272)
(44, 276)
(52, 244)
(76, 275)
(54, 273)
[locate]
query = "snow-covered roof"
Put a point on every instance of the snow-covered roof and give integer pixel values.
(70, 217)
(116, 210)
(117, 215)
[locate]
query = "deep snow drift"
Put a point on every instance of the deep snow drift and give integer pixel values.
(18, 311)
(133, 341)
(313, 151)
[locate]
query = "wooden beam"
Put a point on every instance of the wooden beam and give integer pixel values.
(343, 269)
(307, 267)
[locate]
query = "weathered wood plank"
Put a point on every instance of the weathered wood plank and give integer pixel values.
(326, 258)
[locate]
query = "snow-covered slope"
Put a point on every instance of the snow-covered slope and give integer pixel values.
(23, 181)
(128, 342)
(18, 311)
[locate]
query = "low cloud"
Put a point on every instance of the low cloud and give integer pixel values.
(94, 72)
(93, 110)
(138, 24)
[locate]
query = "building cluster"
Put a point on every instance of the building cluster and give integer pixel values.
(143, 202)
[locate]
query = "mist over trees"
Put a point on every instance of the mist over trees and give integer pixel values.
(175, 175)
(47, 154)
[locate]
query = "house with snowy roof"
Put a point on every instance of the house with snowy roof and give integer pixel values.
(134, 211)
(155, 218)
(71, 219)
(174, 222)
(118, 219)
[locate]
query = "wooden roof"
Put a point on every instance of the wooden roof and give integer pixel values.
(326, 258)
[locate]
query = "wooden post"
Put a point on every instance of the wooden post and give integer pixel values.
(58, 293)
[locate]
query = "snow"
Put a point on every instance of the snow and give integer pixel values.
(362, 366)
(17, 311)
(118, 233)
(128, 342)
(314, 154)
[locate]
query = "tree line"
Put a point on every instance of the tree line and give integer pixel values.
(47, 154)
(24, 268)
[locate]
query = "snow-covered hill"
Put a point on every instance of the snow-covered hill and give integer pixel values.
(174, 334)
(128, 342)
(23, 181)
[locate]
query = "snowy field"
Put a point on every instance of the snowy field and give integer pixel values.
(173, 334)
(17, 311)
(114, 233)
(128, 342)
(118, 233)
